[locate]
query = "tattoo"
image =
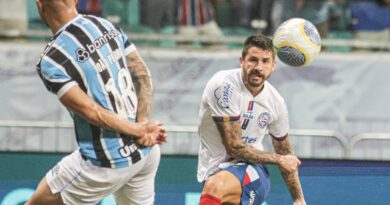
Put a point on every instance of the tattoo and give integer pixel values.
(236, 148)
(142, 81)
(282, 147)
(291, 179)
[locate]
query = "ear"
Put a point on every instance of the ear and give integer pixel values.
(39, 6)
(241, 61)
(274, 66)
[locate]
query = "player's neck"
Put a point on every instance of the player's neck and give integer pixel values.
(59, 21)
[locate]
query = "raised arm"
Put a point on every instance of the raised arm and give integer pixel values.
(291, 178)
(142, 81)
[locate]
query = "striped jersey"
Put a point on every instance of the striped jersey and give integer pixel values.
(225, 97)
(90, 52)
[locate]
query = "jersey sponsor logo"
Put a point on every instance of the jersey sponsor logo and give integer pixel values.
(127, 150)
(82, 55)
(263, 120)
(223, 94)
(248, 139)
(98, 43)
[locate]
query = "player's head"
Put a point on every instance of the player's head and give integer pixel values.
(56, 11)
(257, 60)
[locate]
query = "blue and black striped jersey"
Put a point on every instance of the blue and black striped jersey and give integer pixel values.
(90, 52)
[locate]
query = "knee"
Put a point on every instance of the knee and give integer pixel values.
(214, 186)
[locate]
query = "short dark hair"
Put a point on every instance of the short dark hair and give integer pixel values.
(260, 41)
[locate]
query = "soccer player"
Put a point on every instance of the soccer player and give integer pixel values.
(98, 75)
(238, 108)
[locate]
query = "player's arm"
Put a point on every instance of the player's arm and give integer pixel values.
(142, 81)
(238, 149)
(291, 178)
(80, 103)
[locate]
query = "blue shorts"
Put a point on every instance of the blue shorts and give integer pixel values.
(254, 180)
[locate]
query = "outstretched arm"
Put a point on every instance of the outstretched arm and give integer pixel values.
(291, 177)
(142, 81)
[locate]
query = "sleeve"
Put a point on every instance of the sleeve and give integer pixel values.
(128, 46)
(279, 127)
(54, 76)
(224, 101)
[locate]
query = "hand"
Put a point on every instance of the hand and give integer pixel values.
(154, 134)
(288, 163)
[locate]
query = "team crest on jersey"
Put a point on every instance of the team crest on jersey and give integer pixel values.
(223, 94)
(82, 55)
(263, 120)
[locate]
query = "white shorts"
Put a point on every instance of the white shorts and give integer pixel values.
(82, 183)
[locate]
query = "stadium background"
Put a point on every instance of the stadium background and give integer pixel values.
(338, 106)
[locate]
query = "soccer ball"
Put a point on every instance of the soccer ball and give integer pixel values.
(297, 42)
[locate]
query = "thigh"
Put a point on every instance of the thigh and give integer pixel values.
(225, 186)
(139, 189)
(43, 195)
(56, 180)
(254, 181)
(82, 183)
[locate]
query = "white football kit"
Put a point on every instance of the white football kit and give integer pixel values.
(226, 97)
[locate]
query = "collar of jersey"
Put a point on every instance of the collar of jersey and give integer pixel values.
(67, 24)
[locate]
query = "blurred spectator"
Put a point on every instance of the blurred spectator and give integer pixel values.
(371, 21)
(197, 18)
(242, 12)
(383, 3)
(158, 13)
(93, 7)
(263, 9)
(257, 14)
(276, 14)
(316, 12)
(339, 15)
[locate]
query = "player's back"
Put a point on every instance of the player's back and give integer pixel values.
(91, 52)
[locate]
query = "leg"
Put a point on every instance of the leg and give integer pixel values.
(224, 186)
(139, 190)
(43, 195)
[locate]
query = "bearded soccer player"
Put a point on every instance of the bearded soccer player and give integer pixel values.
(239, 107)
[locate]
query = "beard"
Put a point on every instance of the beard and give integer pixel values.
(255, 78)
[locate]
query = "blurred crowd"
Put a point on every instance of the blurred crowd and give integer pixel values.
(213, 19)
(207, 17)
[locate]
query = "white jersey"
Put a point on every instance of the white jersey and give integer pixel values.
(226, 96)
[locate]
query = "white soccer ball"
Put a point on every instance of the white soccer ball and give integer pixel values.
(297, 42)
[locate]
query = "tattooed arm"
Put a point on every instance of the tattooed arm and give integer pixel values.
(142, 81)
(236, 148)
(290, 177)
